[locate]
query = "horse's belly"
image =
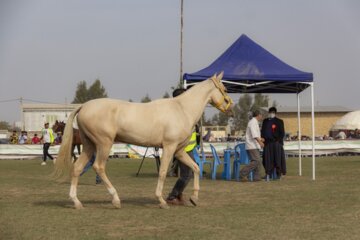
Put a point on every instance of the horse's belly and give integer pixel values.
(140, 134)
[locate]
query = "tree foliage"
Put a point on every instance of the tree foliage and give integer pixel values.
(166, 95)
(260, 101)
(96, 90)
(84, 94)
(146, 99)
(241, 110)
(220, 119)
(244, 106)
(5, 125)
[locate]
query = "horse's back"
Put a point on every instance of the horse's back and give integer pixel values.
(138, 123)
(106, 110)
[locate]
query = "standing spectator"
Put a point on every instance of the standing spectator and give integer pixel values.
(228, 139)
(58, 138)
(47, 139)
(23, 137)
(273, 132)
(35, 139)
(253, 144)
(14, 137)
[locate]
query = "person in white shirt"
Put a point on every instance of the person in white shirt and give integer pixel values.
(47, 138)
(253, 143)
(23, 138)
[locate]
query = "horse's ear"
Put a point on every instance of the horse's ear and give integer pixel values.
(220, 76)
(214, 76)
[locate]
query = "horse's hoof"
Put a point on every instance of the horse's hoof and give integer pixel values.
(164, 206)
(79, 206)
(116, 204)
(194, 201)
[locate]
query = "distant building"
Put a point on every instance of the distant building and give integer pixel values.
(325, 117)
(35, 115)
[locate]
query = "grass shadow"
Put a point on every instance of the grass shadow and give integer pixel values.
(139, 201)
(136, 201)
(58, 203)
(146, 175)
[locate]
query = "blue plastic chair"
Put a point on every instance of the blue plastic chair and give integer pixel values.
(226, 174)
(241, 158)
(216, 162)
(201, 161)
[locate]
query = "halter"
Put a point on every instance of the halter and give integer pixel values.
(225, 97)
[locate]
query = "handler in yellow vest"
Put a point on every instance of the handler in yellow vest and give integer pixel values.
(47, 139)
(176, 195)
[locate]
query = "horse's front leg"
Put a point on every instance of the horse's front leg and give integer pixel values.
(167, 155)
(186, 159)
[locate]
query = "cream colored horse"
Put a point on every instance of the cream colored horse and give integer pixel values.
(165, 123)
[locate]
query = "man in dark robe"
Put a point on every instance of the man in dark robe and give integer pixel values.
(273, 156)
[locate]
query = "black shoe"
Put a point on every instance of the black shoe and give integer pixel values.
(175, 201)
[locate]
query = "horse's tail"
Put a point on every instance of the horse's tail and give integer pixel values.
(64, 162)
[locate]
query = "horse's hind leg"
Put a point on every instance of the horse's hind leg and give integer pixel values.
(77, 169)
(102, 155)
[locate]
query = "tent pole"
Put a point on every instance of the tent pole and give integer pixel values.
(313, 130)
(299, 134)
(181, 40)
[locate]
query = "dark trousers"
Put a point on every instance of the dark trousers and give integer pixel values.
(274, 158)
(174, 169)
(88, 166)
(46, 151)
(185, 175)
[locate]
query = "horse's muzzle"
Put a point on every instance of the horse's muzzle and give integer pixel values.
(230, 112)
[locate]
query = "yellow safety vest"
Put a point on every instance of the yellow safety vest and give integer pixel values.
(192, 143)
(51, 135)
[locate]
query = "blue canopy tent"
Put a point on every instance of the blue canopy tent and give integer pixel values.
(249, 68)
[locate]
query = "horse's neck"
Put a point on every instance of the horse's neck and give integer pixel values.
(195, 99)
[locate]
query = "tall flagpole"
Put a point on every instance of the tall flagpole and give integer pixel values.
(181, 43)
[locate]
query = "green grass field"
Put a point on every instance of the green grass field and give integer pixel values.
(32, 206)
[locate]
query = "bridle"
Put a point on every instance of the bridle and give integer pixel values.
(225, 97)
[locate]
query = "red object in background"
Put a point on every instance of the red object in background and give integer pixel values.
(35, 140)
(273, 127)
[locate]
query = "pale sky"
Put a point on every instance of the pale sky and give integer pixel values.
(133, 46)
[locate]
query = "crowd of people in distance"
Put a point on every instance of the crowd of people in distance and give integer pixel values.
(341, 135)
(23, 138)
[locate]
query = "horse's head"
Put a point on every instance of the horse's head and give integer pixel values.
(58, 126)
(219, 97)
